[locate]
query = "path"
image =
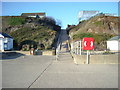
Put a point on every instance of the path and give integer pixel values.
(64, 54)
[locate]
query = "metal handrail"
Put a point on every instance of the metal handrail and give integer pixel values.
(58, 46)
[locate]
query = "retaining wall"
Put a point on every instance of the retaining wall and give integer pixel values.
(48, 52)
(97, 59)
(24, 52)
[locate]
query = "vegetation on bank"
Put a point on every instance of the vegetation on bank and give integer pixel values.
(28, 32)
(101, 28)
(98, 37)
(16, 21)
(27, 38)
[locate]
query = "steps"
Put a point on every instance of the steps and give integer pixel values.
(64, 55)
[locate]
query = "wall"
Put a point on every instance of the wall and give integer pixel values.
(52, 52)
(10, 43)
(24, 52)
(97, 59)
(113, 45)
(1, 44)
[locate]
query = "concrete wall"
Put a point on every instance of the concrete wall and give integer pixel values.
(1, 44)
(52, 52)
(9, 44)
(24, 52)
(97, 59)
(49, 52)
(113, 45)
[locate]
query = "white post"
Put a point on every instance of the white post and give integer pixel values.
(56, 57)
(72, 47)
(87, 62)
(77, 47)
(80, 48)
(75, 51)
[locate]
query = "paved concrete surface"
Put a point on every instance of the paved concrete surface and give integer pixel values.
(63, 75)
(46, 72)
(23, 71)
(0, 75)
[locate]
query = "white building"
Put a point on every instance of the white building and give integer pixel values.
(6, 42)
(39, 15)
(84, 15)
(113, 44)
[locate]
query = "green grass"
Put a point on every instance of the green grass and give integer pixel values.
(98, 37)
(98, 23)
(16, 21)
(82, 35)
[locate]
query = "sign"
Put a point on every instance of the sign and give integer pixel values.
(88, 43)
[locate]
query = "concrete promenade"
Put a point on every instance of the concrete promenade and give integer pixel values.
(45, 72)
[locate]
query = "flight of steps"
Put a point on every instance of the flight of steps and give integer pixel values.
(64, 54)
(65, 57)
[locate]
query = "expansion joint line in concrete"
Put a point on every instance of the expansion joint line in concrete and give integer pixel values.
(39, 75)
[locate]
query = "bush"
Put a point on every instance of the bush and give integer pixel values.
(107, 52)
(49, 21)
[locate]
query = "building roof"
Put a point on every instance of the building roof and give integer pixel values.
(5, 35)
(32, 14)
(115, 38)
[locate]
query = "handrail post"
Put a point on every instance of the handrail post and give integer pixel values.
(58, 46)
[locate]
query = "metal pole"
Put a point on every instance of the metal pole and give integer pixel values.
(87, 62)
(76, 51)
(80, 48)
(77, 47)
(72, 49)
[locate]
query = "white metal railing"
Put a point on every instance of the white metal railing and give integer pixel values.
(58, 46)
(76, 47)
